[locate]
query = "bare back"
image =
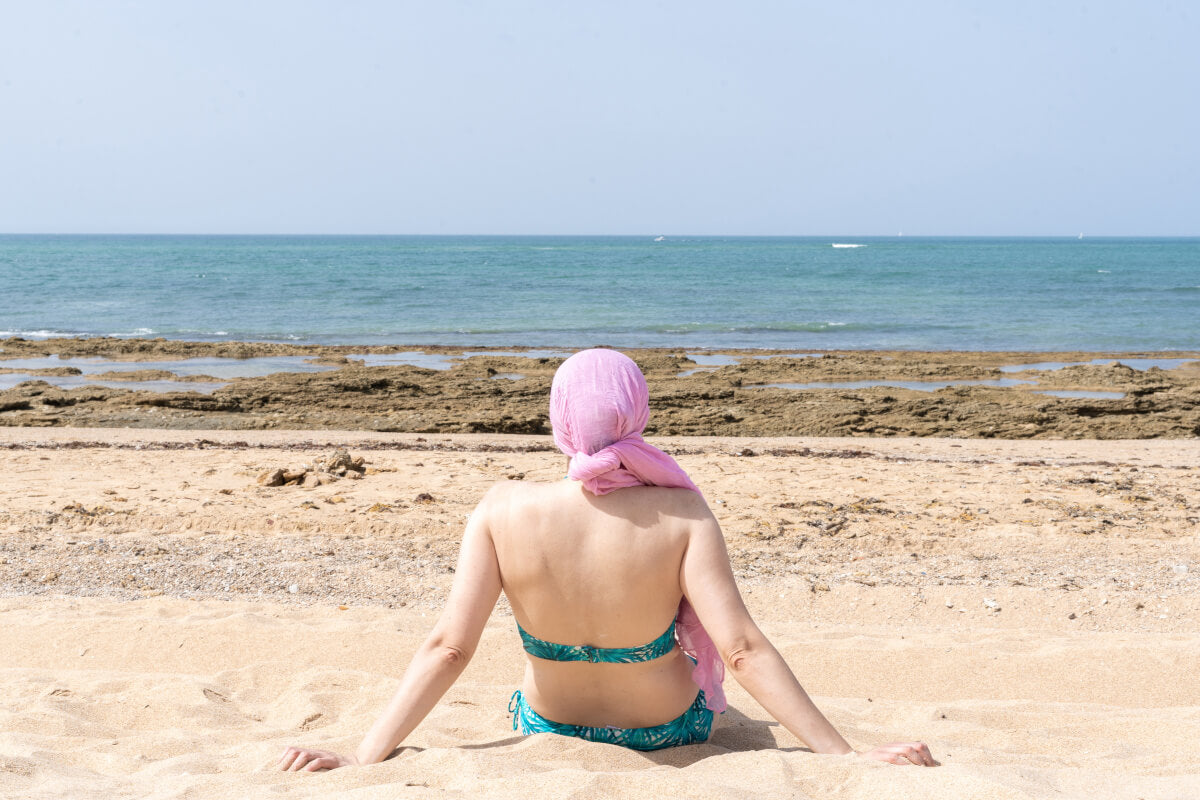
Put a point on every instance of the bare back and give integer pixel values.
(602, 571)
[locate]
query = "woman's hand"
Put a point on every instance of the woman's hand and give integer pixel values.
(904, 753)
(301, 759)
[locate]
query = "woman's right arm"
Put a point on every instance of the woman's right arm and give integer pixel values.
(708, 583)
(437, 663)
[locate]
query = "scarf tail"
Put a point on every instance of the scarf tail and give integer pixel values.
(709, 672)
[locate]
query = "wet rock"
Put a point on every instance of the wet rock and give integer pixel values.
(136, 375)
(1158, 404)
(189, 401)
(63, 372)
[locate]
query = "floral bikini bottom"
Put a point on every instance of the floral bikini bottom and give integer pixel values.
(690, 727)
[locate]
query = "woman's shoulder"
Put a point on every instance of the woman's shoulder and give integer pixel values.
(520, 487)
(514, 491)
(666, 498)
(506, 501)
(671, 500)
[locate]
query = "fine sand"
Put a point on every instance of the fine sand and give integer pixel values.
(1027, 608)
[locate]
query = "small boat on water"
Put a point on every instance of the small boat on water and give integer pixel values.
(838, 244)
(659, 238)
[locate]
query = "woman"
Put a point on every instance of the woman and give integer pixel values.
(610, 575)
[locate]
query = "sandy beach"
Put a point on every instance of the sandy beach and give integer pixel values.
(915, 292)
(1028, 608)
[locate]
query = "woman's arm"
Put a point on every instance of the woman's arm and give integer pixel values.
(708, 583)
(437, 663)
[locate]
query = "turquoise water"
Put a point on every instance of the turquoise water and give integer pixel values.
(564, 292)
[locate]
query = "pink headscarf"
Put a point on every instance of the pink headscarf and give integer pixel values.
(599, 406)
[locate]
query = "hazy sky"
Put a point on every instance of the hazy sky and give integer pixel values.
(692, 117)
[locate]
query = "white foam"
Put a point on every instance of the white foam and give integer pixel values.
(132, 334)
(39, 334)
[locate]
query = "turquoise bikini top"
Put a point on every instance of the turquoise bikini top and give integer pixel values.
(598, 655)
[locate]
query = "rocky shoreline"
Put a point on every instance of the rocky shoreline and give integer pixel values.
(502, 391)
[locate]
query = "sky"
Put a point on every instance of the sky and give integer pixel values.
(717, 118)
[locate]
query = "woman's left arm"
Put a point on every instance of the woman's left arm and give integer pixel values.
(439, 660)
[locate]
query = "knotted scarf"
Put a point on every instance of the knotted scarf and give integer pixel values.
(599, 406)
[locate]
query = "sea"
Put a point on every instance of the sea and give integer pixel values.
(783, 293)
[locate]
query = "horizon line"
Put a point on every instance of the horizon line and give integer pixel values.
(666, 236)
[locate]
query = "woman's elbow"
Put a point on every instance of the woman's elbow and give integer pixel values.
(448, 654)
(452, 656)
(740, 656)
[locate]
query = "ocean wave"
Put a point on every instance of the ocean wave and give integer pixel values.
(682, 327)
(201, 333)
(828, 326)
(769, 327)
(42, 334)
(47, 333)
